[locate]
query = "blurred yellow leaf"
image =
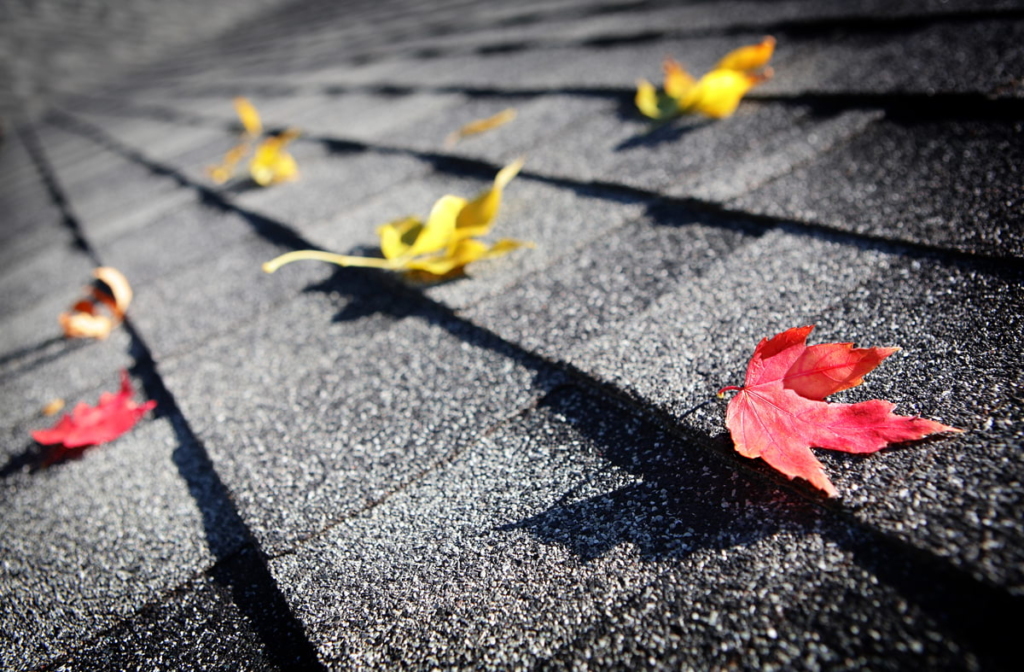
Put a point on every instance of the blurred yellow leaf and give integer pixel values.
(83, 320)
(653, 103)
(224, 172)
(54, 407)
(270, 162)
(249, 117)
(440, 247)
(750, 57)
(481, 125)
(678, 82)
(717, 94)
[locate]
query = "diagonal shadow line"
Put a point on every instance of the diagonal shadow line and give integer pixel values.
(228, 537)
(915, 563)
(791, 30)
(30, 350)
(240, 563)
(38, 156)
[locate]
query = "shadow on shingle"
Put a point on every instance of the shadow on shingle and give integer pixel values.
(35, 457)
(686, 501)
(657, 134)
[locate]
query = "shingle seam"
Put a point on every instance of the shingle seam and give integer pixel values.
(908, 108)
(458, 326)
(210, 493)
(296, 544)
(267, 228)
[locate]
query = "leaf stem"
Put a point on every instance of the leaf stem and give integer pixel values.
(696, 408)
(339, 259)
(728, 388)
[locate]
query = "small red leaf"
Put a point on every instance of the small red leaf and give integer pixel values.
(780, 412)
(87, 425)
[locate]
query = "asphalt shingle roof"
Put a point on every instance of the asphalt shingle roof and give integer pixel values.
(526, 467)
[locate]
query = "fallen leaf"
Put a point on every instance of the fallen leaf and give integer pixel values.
(654, 104)
(480, 126)
(83, 321)
(54, 407)
(678, 82)
(748, 58)
(779, 413)
(440, 247)
(226, 170)
(88, 425)
(270, 163)
(248, 115)
(717, 94)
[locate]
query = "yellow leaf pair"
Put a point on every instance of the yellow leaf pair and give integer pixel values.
(270, 162)
(717, 94)
(440, 247)
(83, 321)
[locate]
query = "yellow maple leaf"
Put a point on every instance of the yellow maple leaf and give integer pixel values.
(481, 125)
(717, 94)
(270, 163)
(440, 247)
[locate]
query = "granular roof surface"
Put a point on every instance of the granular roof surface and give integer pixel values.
(526, 467)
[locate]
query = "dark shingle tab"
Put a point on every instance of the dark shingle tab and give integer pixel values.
(121, 528)
(954, 185)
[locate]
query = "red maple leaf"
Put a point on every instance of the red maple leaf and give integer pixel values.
(87, 425)
(781, 412)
